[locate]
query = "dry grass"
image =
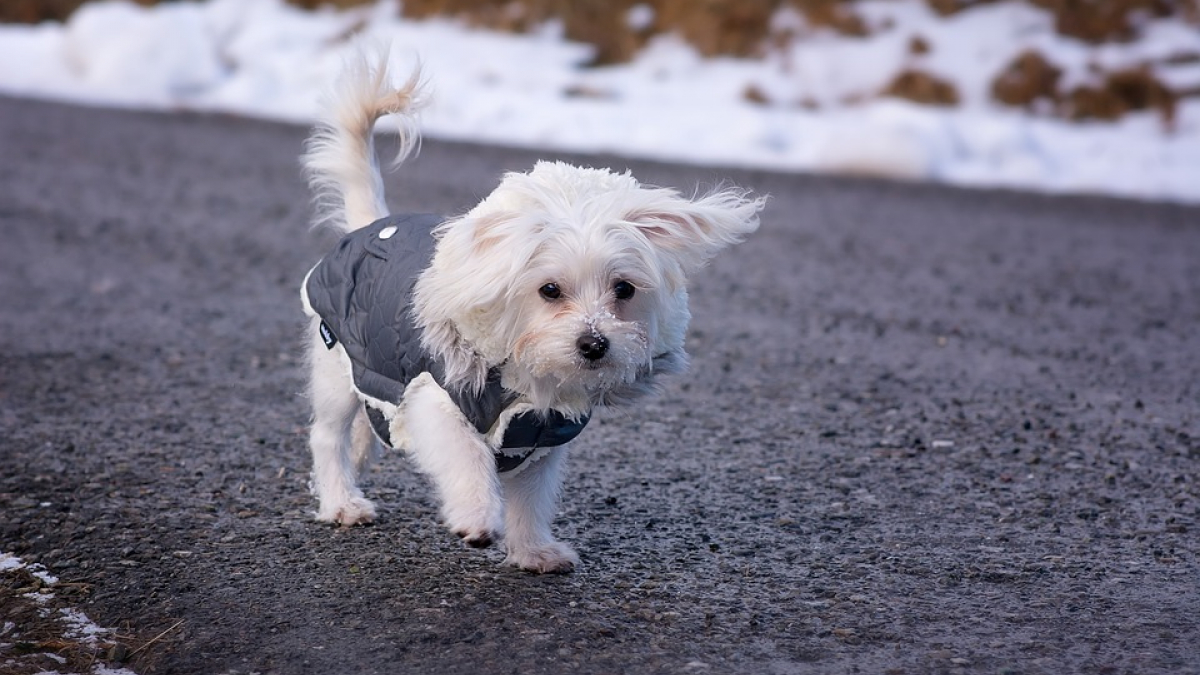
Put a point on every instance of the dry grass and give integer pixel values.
(35, 636)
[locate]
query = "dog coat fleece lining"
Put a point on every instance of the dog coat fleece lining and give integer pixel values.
(363, 293)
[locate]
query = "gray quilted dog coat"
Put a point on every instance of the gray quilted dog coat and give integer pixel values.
(363, 293)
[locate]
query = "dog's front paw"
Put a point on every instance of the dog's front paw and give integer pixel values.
(477, 538)
(552, 558)
(478, 525)
(352, 511)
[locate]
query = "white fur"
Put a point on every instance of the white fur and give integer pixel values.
(480, 308)
(339, 157)
(339, 449)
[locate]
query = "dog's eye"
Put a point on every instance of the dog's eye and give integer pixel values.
(623, 290)
(550, 291)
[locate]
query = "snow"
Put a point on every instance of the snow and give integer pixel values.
(80, 628)
(821, 113)
(10, 562)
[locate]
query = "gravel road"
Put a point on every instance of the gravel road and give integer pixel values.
(927, 430)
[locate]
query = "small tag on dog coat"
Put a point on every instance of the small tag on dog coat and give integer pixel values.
(327, 336)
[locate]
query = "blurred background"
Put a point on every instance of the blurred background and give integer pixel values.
(1061, 95)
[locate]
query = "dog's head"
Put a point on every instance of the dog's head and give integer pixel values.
(573, 282)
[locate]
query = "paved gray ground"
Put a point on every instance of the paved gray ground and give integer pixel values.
(928, 430)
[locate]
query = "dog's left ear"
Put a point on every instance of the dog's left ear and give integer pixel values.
(696, 229)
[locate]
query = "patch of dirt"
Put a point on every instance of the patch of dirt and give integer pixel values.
(755, 94)
(36, 11)
(1026, 80)
(921, 87)
(951, 7)
(495, 14)
(919, 46)
(733, 27)
(1031, 81)
(1118, 93)
(1091, 21)
(1111, 20)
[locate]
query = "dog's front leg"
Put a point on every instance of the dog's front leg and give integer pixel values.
(456, 457)
(532, 499)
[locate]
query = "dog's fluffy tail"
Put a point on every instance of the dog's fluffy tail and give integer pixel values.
(339, 158)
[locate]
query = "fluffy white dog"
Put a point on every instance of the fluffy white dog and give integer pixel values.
(481, 344)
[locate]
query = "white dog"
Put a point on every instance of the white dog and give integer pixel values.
(481, 344)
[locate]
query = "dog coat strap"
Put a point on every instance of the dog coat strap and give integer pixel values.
(379, 424)
(525, 432)
(506, 463)
(529, 430)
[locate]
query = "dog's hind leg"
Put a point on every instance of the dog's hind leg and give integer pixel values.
(335, 433)
(531, 499)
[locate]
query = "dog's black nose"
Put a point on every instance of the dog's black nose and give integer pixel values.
(592, 346)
